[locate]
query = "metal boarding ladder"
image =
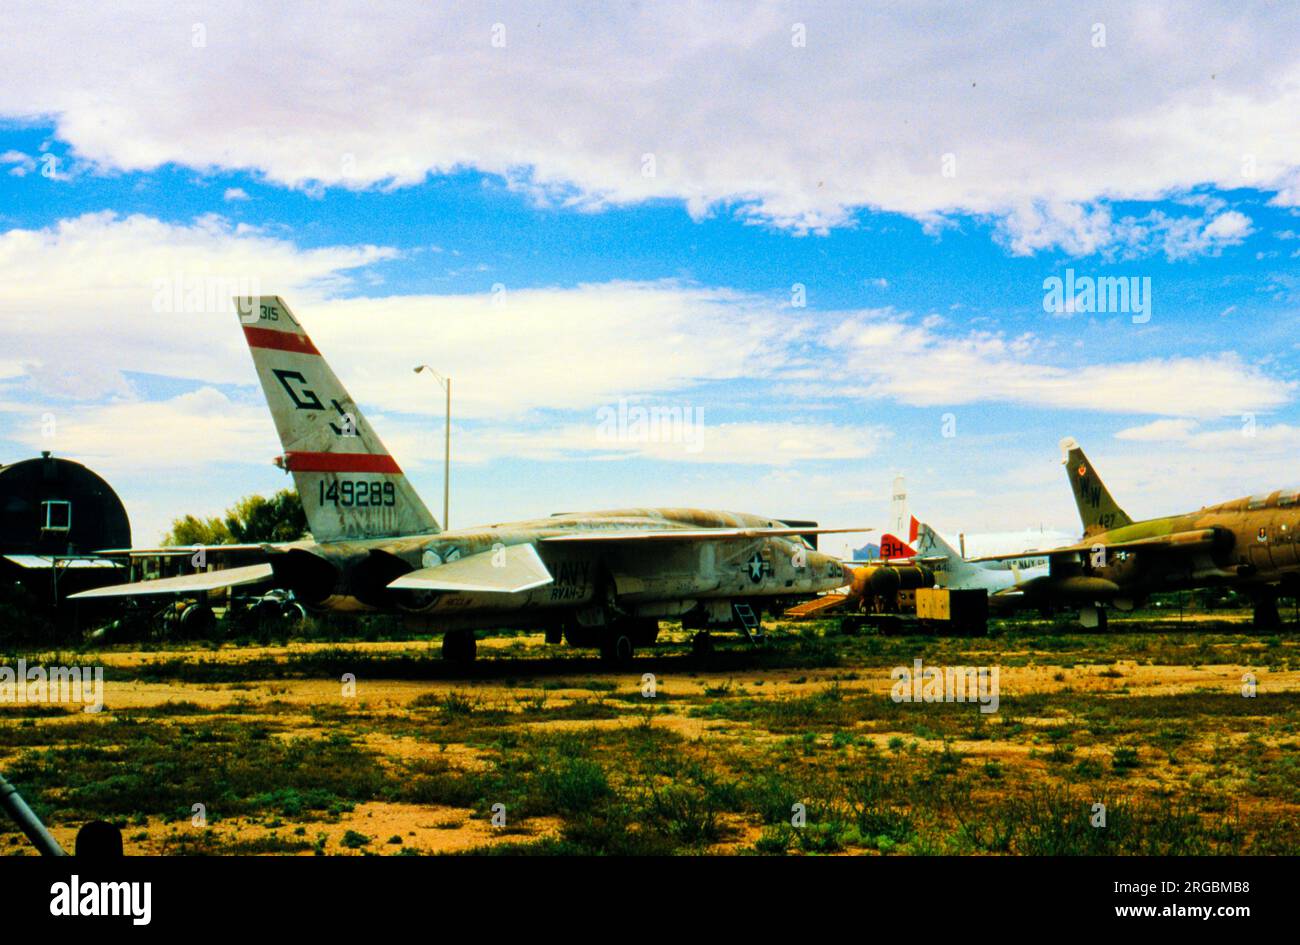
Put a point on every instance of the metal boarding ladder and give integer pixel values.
(748, 621)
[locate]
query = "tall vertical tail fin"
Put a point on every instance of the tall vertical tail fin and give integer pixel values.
(898, 517)
(1097, 510)
(892, 547)
(930, 543)
(351, 488)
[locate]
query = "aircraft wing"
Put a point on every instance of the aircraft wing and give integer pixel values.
(506, 570)
(1192, 540)
(1045, 553)
(171, 551)
(693, 534)
(199, 582)
(913, 559)
(916, 559)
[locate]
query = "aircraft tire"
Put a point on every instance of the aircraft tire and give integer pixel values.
(197, 621)
(1266, 616)
(617, 649)
(459, 646)
(644, 631)
(702, 643)
(267, 611)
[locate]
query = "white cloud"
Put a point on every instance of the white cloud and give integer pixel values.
(1186, 237)
(1279, 439)
(1084, 230)
(97, 294)
(235, 193)
(1032, 226)
(552, 348)
(760, 443)
(1159, 431)
(1042, 125)
(20, 164)
(918, 366)
(89, 297)
(197, 430)
(1227, 226)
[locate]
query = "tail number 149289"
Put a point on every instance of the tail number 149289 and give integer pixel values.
(357, 493)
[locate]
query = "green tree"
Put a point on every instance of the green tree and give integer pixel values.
(256, 518)
(252, 519)
(197, 531)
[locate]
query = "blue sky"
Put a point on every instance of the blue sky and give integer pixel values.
(838, 274)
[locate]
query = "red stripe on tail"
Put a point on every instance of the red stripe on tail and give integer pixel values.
(340, 462)
(279, 340)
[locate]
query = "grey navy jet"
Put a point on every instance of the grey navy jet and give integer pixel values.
(601, 579)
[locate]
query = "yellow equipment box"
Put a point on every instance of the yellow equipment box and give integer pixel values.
(966, 611)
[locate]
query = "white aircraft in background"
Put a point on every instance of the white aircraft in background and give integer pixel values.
(1000, 578)
(927, 547)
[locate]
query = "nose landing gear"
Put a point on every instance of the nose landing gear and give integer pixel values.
(1266, 616)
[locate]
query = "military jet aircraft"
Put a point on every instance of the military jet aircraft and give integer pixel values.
(1002, 580)
(600, 579)
(1248, 543)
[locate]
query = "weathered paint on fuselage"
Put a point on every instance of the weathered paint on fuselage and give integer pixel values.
(647, 579)
(1255, 543)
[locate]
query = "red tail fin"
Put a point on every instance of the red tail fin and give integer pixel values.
(892, 546)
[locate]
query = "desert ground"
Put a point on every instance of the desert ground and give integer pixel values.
(378, 747)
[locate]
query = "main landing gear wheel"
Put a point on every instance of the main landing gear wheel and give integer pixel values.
(1266, 616)
(617, 649)
(459, 646)
(198, 622)
(702, 643)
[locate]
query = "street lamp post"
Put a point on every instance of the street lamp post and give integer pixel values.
(446, 445)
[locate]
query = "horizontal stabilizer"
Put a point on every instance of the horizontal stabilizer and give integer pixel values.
(175, 551)
(184, 584)
(1196, 539)
(59, 561)
(509, 569)
(694, 534)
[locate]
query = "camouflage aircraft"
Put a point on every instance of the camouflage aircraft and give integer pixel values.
(600, 579)
(1249, 543)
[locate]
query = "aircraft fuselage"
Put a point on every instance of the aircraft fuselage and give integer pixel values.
(592, 580)
(1248, 542)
